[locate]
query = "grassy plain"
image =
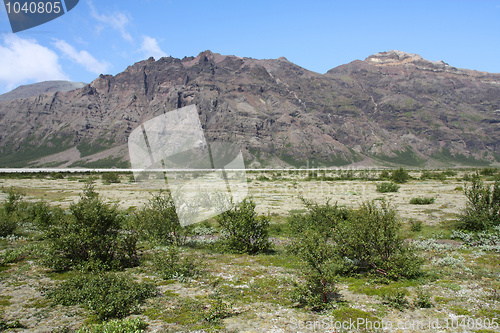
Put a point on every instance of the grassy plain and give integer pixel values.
(459, 290)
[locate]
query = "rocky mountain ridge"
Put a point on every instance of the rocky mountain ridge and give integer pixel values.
(36, 89)
(393, 108)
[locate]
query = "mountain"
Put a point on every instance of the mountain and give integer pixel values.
(393, 108)
(36, 89)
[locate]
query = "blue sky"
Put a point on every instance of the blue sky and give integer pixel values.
(106, 36)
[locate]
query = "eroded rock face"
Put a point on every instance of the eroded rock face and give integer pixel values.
(393, 107)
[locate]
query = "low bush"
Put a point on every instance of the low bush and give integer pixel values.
(384, 175)
(110, 178)
(135, 325)
(11, 256)
(169, 264)
(434, 175)
(370, 240)
(466, 177)
(423, 300)
(397, 300)
(262, 178)
(422, 200)
(416, 225)
(43, 216)
(387, 187)
(106, 295)
(158, 222)
(482, 211)
(11, 213)
(488, 171)
(8, 224)
(217, 309)
(313, 242)
(331, 240)
(4, 326)
(91, 236)
(449, 173)
(56, 175)
(242, 231)
(400, 176)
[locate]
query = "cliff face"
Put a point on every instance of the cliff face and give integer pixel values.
(392, 108)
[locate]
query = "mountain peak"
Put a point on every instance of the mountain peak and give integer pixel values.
(393, 57)
(396, 57)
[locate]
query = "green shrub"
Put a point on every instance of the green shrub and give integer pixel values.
(262, 178)
(423, 300)
(43, 216)
(482, 210)
(168, 264)
(370, 240)
(10, 256)
(317, 289)
(4, 326)
(384, 175)
(488, 171)
(422, 200)
(56, 175)
(217, 309)
(91, 235)
(400, 176)
(11, 213)
(331, 240)
(135, 325)
(426, 175)
(387, 187)
(435, 175)
(107, 295)
(8, 224)
(110, 177)
(416, 225)
(158, 221)
(14, 201)
(397, 300)
(242, 231)
(313, 242)
(466, 177)
(449, 173)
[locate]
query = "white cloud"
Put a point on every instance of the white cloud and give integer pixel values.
(83, 58)
(150, 48)
(117, 21)
(24, 60)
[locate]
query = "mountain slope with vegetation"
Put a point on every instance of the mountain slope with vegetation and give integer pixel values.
(393, 108)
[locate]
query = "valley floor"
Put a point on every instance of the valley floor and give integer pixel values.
(459, 291)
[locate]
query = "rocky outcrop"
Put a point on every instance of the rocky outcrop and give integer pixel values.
(393, 108)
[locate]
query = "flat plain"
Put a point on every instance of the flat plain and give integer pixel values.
(460, 282)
